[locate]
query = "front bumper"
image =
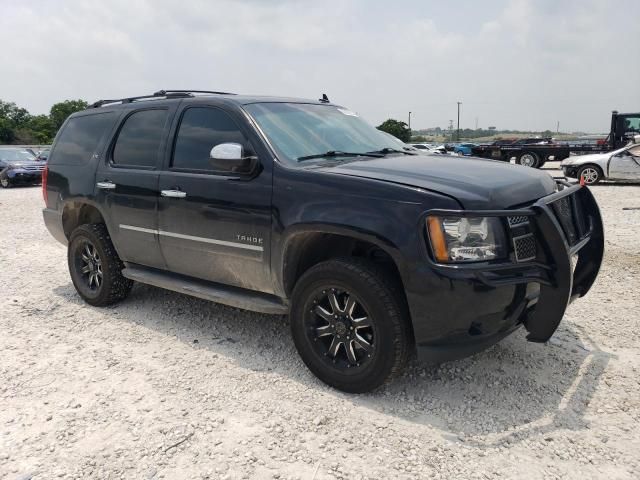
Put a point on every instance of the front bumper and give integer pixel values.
(24, 176)
(458, 310)
(570, 171)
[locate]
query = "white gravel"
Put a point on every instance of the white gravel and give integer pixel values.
(167, 386)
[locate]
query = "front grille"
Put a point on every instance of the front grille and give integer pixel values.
(568, 212)
(517, 220)
(524, 247)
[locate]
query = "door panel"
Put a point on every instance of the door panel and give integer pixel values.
(127, 185)
(219, 231)
(624, 167)
(214, 225)
(132, 208)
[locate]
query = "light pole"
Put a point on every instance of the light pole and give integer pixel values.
(409, 120)
(458, 129)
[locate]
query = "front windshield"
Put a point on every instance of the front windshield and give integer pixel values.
(12, 155)
(300, 129)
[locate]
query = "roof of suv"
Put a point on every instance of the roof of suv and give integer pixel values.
(204, 97)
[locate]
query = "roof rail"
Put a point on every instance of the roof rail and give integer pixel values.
(164, 92)
(158, 94)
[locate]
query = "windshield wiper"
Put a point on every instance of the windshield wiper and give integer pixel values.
(387, 150)
(338, 153)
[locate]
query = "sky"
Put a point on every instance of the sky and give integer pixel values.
(514, 64)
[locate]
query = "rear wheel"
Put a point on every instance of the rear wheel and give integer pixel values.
(591, 174)
(528, 159)
(350, 327)
(94, 265)
(5, 182)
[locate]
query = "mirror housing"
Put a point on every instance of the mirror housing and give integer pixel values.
(230, 157)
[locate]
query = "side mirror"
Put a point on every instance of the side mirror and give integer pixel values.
(230, 157)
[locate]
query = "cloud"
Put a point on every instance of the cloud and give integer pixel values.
(518, 64)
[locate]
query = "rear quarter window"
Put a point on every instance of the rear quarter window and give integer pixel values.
(80, 137)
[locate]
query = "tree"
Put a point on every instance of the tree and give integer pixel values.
(7, 134)
(41, 128)
(60, 112)
(396, 128)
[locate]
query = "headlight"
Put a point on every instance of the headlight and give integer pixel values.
(466, 239)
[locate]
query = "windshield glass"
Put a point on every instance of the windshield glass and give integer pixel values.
(12, 155)
(298, 129)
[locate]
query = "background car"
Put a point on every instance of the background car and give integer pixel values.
(43, 155)
(401, 144)
(621, 165)
(19, 166)
(420, 146)
(463, 148)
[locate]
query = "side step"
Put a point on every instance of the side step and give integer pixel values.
(215, 292)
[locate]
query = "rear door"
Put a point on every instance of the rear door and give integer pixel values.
(214, 225)
(625, 165)
(127, 184)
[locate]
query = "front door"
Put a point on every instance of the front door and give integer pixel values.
(626, 165)
(212, 224)
(127, 186)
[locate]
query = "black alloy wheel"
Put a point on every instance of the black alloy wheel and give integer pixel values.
(94, 265)
(350, 323)
(340, 328)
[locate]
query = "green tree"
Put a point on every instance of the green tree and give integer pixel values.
(396, 128)
(7, 133)
(60, 112)
(41, 128)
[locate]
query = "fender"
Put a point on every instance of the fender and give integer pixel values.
(290, 234)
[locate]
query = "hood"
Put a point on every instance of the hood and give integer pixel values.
(476, 183)
(600, 158)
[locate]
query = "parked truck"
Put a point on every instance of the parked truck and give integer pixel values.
(532, 153)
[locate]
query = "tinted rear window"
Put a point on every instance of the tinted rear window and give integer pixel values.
(80, 137)
(140, 138)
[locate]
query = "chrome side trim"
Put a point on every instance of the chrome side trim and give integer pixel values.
(139, 229)
(214, 241)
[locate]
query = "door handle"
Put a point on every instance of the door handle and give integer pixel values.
(173, 193)
(107, 185)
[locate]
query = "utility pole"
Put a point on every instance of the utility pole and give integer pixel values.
(458, 130)
(409, 120)
(558, 127)
(476, 123)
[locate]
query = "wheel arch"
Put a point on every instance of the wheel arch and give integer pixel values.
(307, 245)
(80, 212)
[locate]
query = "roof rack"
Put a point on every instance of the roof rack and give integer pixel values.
(158, 94)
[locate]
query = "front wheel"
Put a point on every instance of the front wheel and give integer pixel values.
(4, 181)
(349, 325)
(94, 265)
(590, 173)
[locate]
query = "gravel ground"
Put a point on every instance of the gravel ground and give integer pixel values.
(167, 386)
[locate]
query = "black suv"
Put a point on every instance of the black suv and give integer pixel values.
(299, 207)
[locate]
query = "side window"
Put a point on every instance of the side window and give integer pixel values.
(200, 130)
(139, 139)
(80, 137)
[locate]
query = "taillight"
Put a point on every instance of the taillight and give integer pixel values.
(45, 174)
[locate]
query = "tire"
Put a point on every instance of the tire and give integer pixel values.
(5, 182)
(528, 159)
(592, 174)
(90, 253)
(372, 337)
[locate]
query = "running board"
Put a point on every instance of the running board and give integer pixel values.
(215, 292)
